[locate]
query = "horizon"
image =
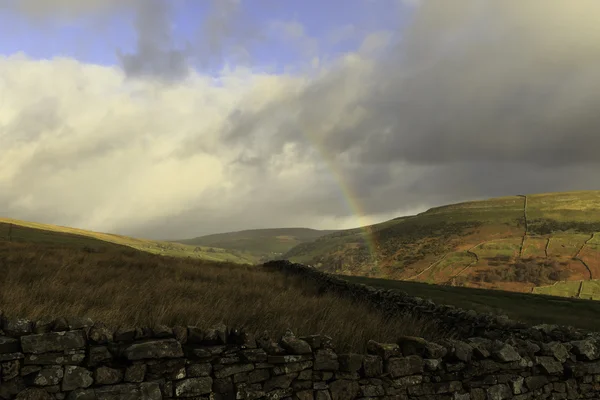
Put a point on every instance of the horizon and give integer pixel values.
(154, 119)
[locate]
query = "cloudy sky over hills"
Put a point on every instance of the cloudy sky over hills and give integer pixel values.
(172, 119)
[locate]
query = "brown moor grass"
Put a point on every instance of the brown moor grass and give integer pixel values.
(129, 287)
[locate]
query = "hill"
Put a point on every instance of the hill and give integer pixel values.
(260, 244)
(541, 243)
(32, 232)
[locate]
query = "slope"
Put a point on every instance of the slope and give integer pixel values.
(516, 243)
(262, 244)
(23, 231)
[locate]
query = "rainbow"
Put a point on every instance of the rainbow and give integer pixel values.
(349, 197)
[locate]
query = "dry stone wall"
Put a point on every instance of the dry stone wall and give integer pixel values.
(77, 359)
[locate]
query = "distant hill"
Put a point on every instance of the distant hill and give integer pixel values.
(261, 244)
(23, 231)
(542, 243)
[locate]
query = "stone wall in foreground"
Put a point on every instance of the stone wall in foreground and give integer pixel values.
(77, 359)
(495, 359)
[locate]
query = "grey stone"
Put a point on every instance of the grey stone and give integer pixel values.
(550, 366)
(499, 392)
(10, 369)
(108, 376)
(506, 353)
(17, 326)
(52, 342)
(193, 387)
(163, 348)
(33, 394)
(135, 373)
(233, 369)
(48, 376)
(56, 358)
(99, 355)
(585, 350)
(372, 365)
(343, 390)
(100, 334)
(197, 370)
(409, 365)
(383, 350)
(279, 382)
(76, 377)
(293, 345)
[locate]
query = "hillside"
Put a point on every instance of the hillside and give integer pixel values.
(541, 243)
(32, 232)
(261, 244)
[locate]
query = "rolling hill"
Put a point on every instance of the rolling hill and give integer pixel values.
(32, 232)
(260, 244)
(541, 243)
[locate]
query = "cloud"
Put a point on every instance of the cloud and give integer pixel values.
(155, 54)
(473, 99)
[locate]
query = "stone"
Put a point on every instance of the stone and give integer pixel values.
(55, 358)
(53, 341)
(292, 367)
(372, 365)
(254, 355)
(506, 353)
(108, 376)
(233, 369)
(499, 392)
(279, 382)
(409, 365)
(162, 331)
(383, 350)
(135, 373)
(33, 394)
(197, 370)
(549, 365)
(99, 355)
(343, 390)
(293, 345)
(193, 387)
(76, 377)
(557, 350)
(77, 322)
(100, 334)
(535, 382)
(124, 333)
(411, 345)
(585, 350)
(10, 369)
(163, 348)
(17, 326)
(304, 395)
(48, 376)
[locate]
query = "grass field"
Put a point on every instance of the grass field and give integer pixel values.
(530, 308)
(52, 234)
(262, 244)
(429, 247)
(123, 286)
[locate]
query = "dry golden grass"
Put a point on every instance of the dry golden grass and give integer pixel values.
(129, 287)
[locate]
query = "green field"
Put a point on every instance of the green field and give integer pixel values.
(22, 231)
(504, 232)
(530, 308)
(260, 244)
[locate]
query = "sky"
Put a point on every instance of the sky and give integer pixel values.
(174, 119)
